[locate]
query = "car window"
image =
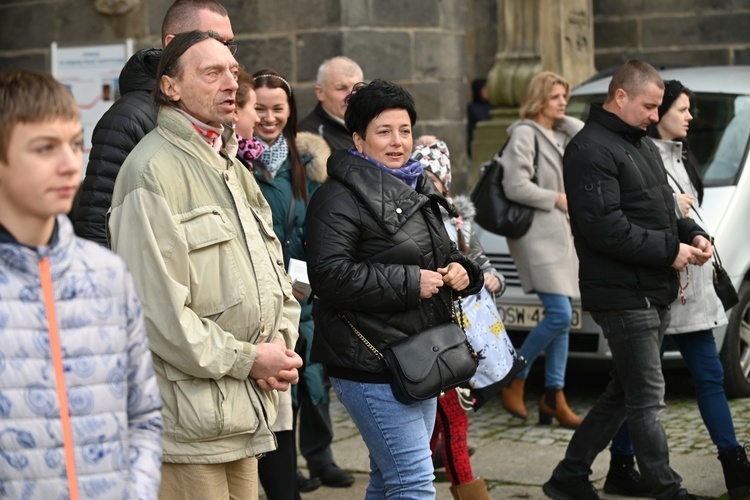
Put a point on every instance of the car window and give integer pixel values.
(718, 136)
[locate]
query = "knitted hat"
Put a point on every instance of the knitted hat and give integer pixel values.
(672, 90)
(437, 159)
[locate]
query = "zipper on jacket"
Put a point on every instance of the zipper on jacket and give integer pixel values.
(637, 168)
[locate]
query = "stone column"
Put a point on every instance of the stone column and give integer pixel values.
(533, 35)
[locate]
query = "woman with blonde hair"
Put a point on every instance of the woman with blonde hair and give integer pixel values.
(545, 255)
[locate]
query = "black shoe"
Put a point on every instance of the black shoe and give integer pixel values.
(681, 494)
(736, 472)
(305, 485)
(623, 479)
(437, 458)
(580, 489)
(333, 476)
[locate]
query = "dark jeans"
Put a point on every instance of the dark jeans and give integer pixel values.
(636, 392)
(698, 349)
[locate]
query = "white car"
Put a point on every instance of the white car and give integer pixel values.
(718, 138)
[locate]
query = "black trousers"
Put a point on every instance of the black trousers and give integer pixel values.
(315, 432)
(277, 470)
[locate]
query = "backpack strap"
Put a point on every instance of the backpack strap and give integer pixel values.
(57, 364)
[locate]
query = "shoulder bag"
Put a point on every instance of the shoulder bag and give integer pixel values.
(495, 212)
(723, 283)
(429, 363)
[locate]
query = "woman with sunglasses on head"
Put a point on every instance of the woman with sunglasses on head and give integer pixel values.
(693, 315)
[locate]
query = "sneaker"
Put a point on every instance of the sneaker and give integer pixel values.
(333, 476)
(626, 482)
(577, 489)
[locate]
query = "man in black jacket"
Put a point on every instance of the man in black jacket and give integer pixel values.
(133, 116)
(336, 78)
(630, 244)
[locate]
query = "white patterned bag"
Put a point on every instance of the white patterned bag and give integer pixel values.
(498, 362)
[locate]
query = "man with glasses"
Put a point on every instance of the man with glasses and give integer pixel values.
(133, 115)
(196, 232)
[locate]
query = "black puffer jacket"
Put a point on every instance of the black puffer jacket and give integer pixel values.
(320, 122)
(368, 236)
(129, 119)
(622, 216)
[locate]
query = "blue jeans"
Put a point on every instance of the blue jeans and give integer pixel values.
(698, 349)
(550, 336)
(397, 437)
(635, 391)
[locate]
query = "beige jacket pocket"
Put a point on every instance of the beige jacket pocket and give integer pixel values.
(198, 406)
(212, 243)
(239, 414)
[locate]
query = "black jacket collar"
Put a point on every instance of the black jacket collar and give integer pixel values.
(614, 123)
(389, 199)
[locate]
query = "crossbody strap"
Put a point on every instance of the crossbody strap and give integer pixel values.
(716, 253)
(290, 222)
(459, 320)
(57, 363)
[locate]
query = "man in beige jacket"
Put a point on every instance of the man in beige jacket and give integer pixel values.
(197, 234)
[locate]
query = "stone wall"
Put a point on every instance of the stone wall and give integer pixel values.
(668, 32)
(420, 44)
(433, 47)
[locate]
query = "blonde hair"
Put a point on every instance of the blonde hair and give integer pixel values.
(538, 91)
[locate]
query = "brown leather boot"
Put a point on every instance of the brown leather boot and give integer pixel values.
(475, 490)
(553, 404)
(512, 397)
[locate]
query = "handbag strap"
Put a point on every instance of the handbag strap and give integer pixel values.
(291, 220)
(362, 338)
(57, 363)
(711, 238)
(459, 321)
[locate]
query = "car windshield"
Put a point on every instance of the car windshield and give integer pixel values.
(718, 136)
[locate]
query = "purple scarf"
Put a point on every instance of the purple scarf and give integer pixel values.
(409, 173)
(248, 150)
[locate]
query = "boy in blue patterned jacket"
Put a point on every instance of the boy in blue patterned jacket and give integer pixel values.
(79, 405)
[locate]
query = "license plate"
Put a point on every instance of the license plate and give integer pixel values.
(530, 316)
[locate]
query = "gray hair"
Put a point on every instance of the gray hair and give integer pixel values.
(347, 66)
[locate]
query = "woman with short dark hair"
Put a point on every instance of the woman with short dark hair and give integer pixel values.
(380, 260)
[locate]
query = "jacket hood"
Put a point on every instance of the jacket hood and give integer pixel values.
(390, 201)
(465, 207)
(613, 122)
(316, 148)
(139, 72)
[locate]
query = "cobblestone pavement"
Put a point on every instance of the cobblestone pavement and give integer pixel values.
(517, 457)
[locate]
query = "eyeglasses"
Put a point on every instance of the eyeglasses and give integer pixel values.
(232, 46)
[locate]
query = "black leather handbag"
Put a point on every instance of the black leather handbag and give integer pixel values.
(427, 364)
(723, 283)
(495, 212)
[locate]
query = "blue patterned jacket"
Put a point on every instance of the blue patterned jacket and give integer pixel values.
(112, 393)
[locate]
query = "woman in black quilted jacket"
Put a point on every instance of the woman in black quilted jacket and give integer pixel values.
(380, 259)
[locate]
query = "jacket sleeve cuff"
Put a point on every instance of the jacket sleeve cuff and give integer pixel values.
(244, 362)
